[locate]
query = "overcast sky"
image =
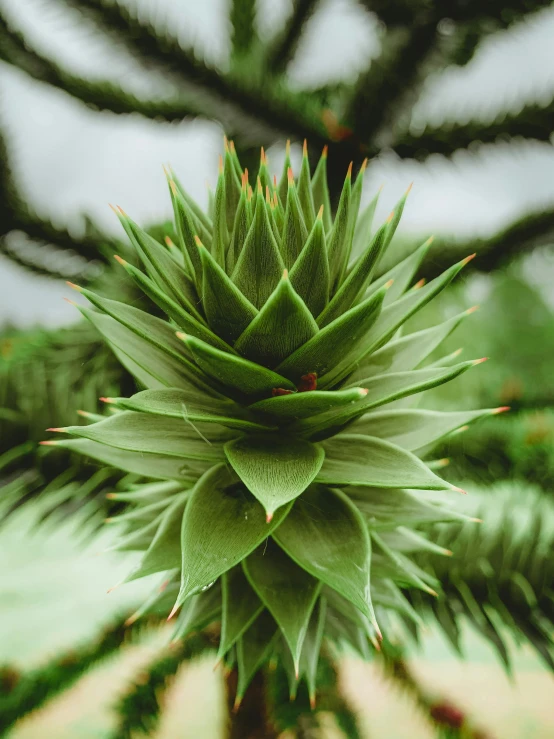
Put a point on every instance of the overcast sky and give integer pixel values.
(71, 160)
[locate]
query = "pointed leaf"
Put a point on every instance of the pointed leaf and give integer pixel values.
(362, 231)
(320, 190)
(282, 325)
(240, 607)
(199, 612)
(310, 273)
(227, 310)
(394, 315)
(326, 535)
(190, 406)
(223, 523)
(156, 466)
(232, 188)
(337, 340)
(243, 221)
(312, 647)
(305, 190)
(151, 366)
(288, 592)
(142, 432)
(186, 231)
(353, 459)
(276, 469)
(357, 281)
(237, 373)
(295, 231)
(220, 236)
(253, 649)
(385, 508)
(415, 429)
(157, 332)
(164, 553)
(337, 247)
(402, 273)
(405, 353)
(159, 264)
(303, 405)
(259, 266)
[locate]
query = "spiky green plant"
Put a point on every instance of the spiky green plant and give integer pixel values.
(285, 479)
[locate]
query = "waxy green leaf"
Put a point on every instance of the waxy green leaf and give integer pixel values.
(233, 372)
(305, 195)
(186, 231)
(220, 235)
(223, 523)
(337, 340)
(240, 607)
(259, 266)
(275, 468)
(191, 407)
(304, 405)
(320, 190)
(141, 432)
(227, 310)
(295, 231)
(405, 353)
(337, 247)
(356, 282)
(164, 553)
(253, 649)
(311, 648)
(401, 274)
(414, 429)
(288, 592)
(353, 459)
(362, 230)
(310, 273)
(326, 535)
(283, 324)
(243, 221)
(158, 466)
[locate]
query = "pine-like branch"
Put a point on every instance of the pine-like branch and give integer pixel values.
(284, 47)
(104, 95)
(280, 110)
(23, 693)
(139, 708)
(500, 574)
(523, 236)
(242, 15)
(532, 122)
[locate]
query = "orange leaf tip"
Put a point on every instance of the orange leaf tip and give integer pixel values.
(391, 216)
(113, 588)
(409, 188)
(363, 391)
(363, 166)
(259, 186)
(468, 259)
(388, 284)
(325, 151)
(432, 592)
(349, 170)
(480, 361)
(236, 705)
(232, 147)
(48, 443)
(106, 400)
(84, 414)
(476, 520)
(197, 241)
(287, 147)
(305, 148)
(263, 157)
(275, 184)
(419, 284)
(73, 286)
(444, 462)
(58, 430)
(459, 490)
(173, 611)
(320, 212)
(471, 310)
(285, 274)
(268, 517)
(119, 260)
(220, 164)
(181, 335)
(312, 702)
(168, 241)
(111, 496)
(502, 409)
(173, 187)
(131, 620)
(457, 352)
(290, 176)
